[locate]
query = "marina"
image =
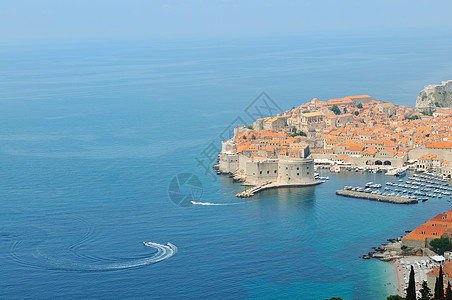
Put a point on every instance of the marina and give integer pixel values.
(418, 187)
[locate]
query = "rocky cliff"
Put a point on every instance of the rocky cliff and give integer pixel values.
(435, 96)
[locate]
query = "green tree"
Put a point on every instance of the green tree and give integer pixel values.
(336, 109)
(250, 127)
(360, 105)
(395, 297)
(412, 118)
(439, 285)
(299, 133)
(441, 245)
(294, 129)
(356, 112)
(253, 137)
(425, 292)
(448, 292)
(411, 290)
(244, 137)
(345, 110)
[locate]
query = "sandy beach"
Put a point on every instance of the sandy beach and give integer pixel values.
(422, 265)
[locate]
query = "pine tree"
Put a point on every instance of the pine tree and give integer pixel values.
(436, 288)
(448, 292)
(425, 292)
(441, 283)
(411, 290)
(439, 286)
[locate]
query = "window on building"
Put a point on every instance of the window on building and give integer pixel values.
(268, 172)
(298, 169)
(298, 174)
(275, 171)
(422, 232)
(260, 172)
(434, 233)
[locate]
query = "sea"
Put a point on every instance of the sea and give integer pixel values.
(102, 142)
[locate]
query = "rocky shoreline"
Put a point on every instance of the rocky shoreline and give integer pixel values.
(388, 251)
(393, 249)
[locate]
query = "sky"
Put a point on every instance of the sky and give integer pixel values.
(23, 20)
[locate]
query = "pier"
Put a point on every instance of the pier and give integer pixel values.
(271, 185)
(375, 197)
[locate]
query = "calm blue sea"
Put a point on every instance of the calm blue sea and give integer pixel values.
(91, 135)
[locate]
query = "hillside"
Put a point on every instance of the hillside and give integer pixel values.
(435, 96)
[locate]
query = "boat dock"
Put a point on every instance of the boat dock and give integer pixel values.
(271, 185)
(376, 197)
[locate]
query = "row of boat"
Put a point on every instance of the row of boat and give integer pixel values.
(422, 185)
(368, 189)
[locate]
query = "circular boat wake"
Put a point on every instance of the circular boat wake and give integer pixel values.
(32, 253)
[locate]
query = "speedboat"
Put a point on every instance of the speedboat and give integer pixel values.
(147, 243)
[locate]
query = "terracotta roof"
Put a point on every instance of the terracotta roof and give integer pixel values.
(433, 228)
(427, 156)
(440, 145)
(370, 151)
(390, 151)
(447, 270)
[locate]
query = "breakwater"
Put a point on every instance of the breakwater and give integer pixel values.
(271, 185)
(375, 197)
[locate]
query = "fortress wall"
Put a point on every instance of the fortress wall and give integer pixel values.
(228, 162)
(297, 171)
(261, 171)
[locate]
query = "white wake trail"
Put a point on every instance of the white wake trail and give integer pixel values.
(209, 203)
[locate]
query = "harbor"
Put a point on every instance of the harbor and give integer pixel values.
(418, 187)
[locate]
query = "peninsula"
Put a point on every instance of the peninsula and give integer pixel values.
(353, 131)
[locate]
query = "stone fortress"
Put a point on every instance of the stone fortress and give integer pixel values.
(292, 167)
